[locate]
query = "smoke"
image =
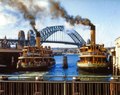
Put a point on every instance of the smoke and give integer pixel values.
(30, 10)
(58, 11)
(27, 7)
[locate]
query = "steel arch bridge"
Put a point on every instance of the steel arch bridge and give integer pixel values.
(48, 31)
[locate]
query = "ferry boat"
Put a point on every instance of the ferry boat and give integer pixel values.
(35, 58)
(94, 57)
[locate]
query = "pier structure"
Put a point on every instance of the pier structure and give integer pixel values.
(83, 86)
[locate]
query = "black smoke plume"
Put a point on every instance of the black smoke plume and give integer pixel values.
(29, 12)
(58, 11)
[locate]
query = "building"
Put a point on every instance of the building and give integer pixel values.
(116, 60)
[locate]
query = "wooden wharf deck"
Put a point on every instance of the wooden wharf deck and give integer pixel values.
(75, 87)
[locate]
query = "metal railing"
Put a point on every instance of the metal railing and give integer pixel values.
(74, 87)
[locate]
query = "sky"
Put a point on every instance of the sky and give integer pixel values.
(104, 14)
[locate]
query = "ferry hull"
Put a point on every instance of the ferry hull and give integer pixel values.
(38, 68)
(95, 68)
(12, 69)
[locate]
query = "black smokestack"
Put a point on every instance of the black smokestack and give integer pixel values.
(93, 37)
(38, 39)
(32, 23)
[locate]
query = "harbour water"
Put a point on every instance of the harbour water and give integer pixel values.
(56, 73)
(57, 70)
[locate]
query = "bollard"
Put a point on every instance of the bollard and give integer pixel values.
(65, 63)
(64, 87)
(73, 82)
(113, 86)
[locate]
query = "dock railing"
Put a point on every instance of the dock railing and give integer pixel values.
(73, 87)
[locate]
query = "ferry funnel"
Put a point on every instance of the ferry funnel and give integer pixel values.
(38, 40)
(93, 40)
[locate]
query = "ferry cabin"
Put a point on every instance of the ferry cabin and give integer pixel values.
(93, 54)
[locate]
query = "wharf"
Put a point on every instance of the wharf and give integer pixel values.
(5, 50)
(74, 87)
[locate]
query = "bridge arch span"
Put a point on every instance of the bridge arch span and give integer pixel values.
(48, 31)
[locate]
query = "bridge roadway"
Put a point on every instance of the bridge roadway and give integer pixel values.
(14, 41)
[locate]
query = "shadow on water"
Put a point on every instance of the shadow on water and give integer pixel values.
(92, 76)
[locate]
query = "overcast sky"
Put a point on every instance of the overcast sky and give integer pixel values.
(104, 14)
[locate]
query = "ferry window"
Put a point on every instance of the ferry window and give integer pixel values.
(96, 59)
(88, 47)
(81, 50)
(23, 60)
(92, 47)
(96, 47)
(99, 59)
(81, 59)
(89, 59)
(104, 59)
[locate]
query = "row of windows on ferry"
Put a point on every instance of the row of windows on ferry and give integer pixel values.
(38, 62)
(29, 51)
(91, 47)
(96, 59)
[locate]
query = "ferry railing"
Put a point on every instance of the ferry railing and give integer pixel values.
(72, 87)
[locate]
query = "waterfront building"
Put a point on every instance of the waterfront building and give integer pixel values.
(21, 38)
(31, 38)
(117, 56)
(4, 43)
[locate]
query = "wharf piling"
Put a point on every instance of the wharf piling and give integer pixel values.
(74, 87)
(65, 63)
